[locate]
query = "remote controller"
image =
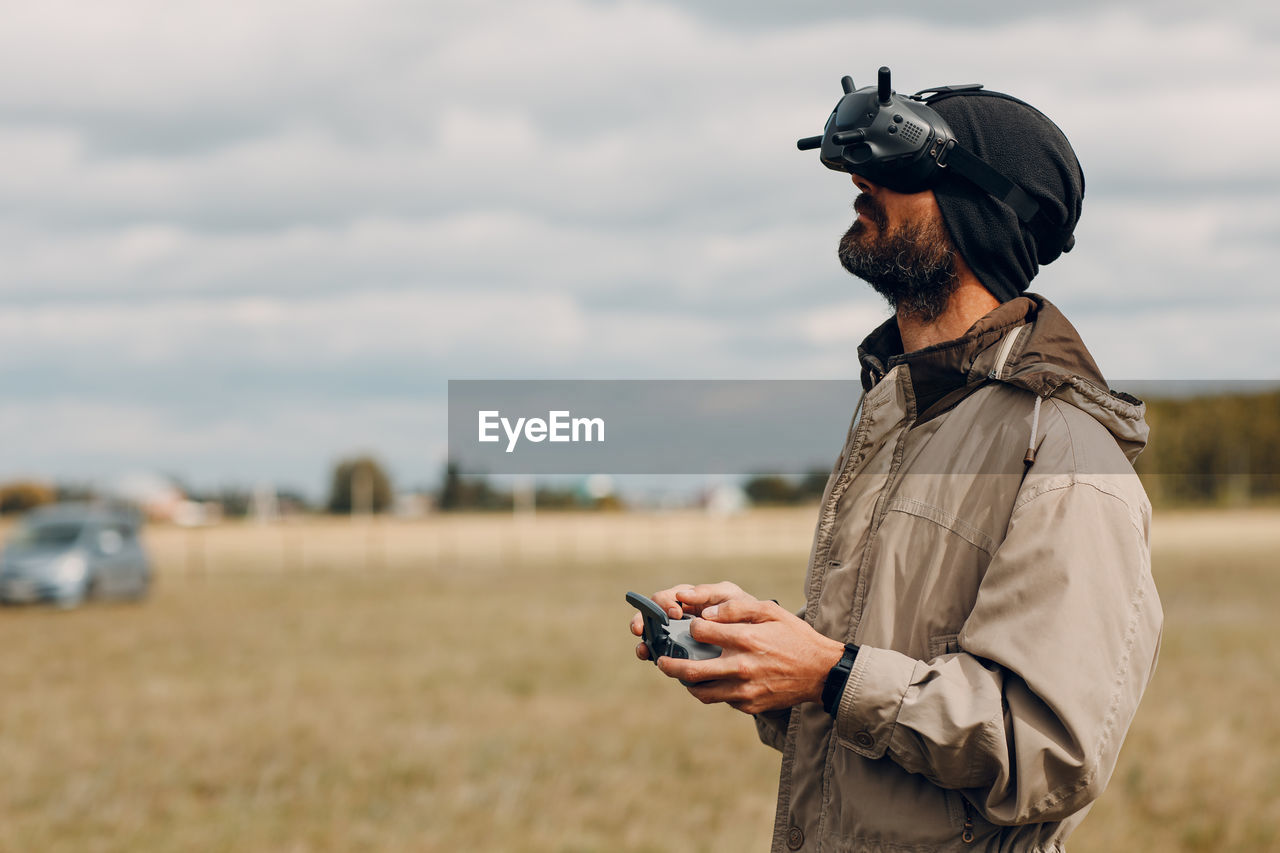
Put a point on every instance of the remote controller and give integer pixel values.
(663, 636)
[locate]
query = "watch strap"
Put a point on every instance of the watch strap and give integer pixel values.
(837, 678)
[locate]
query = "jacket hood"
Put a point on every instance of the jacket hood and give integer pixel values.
(1025, 342)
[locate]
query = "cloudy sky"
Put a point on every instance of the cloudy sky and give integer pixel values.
(238, 240)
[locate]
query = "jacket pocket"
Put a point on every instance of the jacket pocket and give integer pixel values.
(874, 801)
(921, 581)
(968, 532)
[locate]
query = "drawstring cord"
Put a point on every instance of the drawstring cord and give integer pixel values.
(1035, 426)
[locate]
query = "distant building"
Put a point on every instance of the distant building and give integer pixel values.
(725, 500)
(157, 497)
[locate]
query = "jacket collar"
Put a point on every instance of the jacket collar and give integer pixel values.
(1039, 359)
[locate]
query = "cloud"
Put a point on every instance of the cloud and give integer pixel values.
(987, 13)
(293, 443)
(214, 211)
(319, 334)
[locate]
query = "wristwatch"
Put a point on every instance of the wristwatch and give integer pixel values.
(837, 678)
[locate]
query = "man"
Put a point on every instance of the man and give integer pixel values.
(980, 619)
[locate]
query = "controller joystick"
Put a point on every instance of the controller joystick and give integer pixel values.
(665, 636)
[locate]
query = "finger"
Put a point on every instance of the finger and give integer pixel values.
(732, 635)
(637, 625)
(642, 651)
(743, 610)
(717, 691)
(695, 670)
(667, 600)
(705, 594)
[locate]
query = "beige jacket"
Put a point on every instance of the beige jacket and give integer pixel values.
(1005, 609)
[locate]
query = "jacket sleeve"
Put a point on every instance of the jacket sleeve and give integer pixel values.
(1029, 715)
(771, 727)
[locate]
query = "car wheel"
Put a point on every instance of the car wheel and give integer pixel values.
(74, 598)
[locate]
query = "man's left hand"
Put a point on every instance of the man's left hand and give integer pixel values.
(771, 659)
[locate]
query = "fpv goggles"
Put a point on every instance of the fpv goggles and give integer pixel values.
(903, 144)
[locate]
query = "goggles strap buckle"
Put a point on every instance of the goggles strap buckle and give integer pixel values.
(944, 151)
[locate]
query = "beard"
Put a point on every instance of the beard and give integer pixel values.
(913, 265)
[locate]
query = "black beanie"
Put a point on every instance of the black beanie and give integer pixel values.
(1031, 151)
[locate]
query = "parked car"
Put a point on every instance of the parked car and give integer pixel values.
(67, 553)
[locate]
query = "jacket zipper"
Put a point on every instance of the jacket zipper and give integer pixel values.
(850, 463)
(1006, 346)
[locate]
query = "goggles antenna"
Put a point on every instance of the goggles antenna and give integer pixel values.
(846, 83)
(883, 87)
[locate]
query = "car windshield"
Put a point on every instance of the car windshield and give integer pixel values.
(46, 535)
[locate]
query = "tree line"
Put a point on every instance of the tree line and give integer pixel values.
(1206, 450)
(1213, 450)
(1221, 449)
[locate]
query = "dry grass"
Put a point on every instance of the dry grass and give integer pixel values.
(468, 684)
(1201, 767)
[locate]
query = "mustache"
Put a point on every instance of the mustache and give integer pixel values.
(870, 208)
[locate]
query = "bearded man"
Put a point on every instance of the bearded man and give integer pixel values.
(980, 619)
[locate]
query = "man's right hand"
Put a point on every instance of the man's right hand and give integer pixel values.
(683, 599)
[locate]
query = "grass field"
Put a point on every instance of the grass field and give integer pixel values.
(468, 684)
